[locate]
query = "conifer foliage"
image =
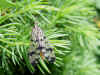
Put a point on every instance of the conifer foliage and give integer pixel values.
(69, 28)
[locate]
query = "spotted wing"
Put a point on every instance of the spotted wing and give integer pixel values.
(39, 47)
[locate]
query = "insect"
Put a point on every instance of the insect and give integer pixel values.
(40, 48)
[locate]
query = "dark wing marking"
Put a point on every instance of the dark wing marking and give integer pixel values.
(50, 56)
(37, 45)
(33, 55)
(40, 48)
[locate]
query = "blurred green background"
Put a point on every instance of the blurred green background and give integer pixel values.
(70, 26)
